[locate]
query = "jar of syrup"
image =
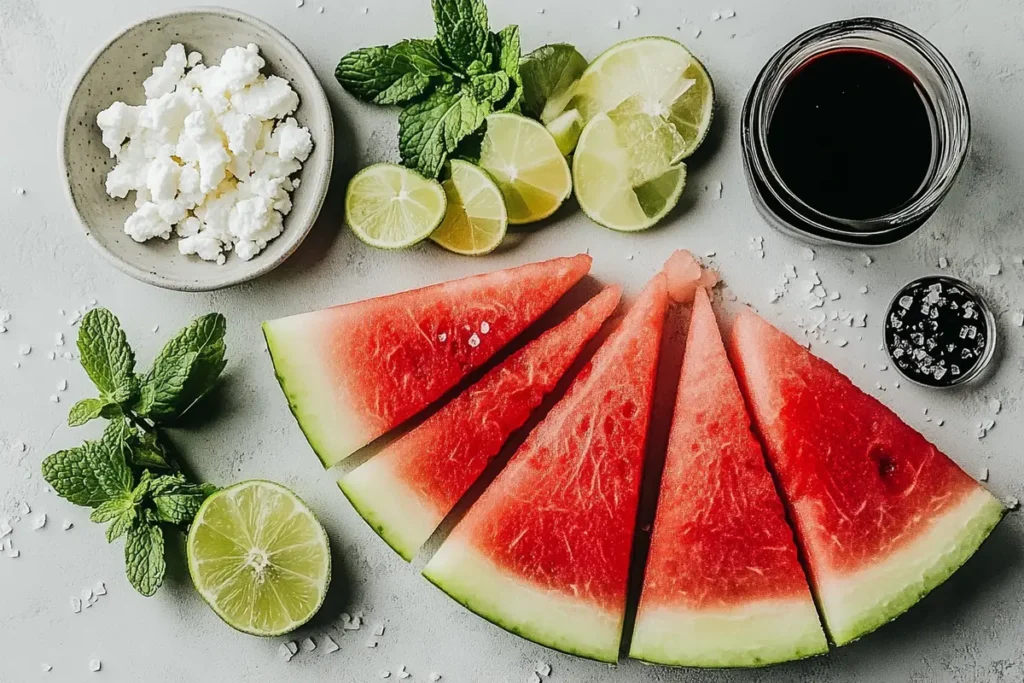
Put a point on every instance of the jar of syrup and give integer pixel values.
(854, 132)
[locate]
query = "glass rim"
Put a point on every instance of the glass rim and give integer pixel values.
(954, 110)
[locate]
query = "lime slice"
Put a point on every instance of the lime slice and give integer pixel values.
(476, 218)
(390, 207)
(616, 186)
(669, 81)
(566, 131)
(527, 165)
(259, 558)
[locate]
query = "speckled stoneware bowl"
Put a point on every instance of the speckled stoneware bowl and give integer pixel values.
(116, 73)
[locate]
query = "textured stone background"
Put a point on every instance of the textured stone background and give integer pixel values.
(968, 630)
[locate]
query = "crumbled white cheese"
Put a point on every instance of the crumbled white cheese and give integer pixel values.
(209, 156)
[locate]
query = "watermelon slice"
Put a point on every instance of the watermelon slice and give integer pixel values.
(353, 372)
(723, 585)
(405, 491)
(882, 516)
(545, 552)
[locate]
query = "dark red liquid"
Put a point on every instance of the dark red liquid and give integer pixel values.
(851, 134)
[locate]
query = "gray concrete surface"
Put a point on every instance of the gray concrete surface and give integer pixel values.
(971, 629)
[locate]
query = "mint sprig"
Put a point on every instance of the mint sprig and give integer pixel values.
(114, 475)
(448, 85)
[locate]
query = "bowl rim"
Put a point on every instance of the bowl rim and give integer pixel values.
(317, 98)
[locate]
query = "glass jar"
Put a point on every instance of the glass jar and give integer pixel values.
(940, 89)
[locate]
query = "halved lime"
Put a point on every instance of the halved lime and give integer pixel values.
(670, 81)
(259, 558)
(527, 165)
(476, 219)
(566, 131)
(390, 206)
(617, 184)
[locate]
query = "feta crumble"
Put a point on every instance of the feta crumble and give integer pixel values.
(210, 156)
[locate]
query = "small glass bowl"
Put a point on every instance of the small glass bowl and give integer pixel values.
(941, 90)
(985, 318)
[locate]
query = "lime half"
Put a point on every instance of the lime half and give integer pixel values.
(476, 219)
(622, 176)
(527, 165)
(259, 557)
(669, 81)
(390, 207)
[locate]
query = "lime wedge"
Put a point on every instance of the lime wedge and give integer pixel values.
(391, 207)
(566, 131)
(550, 74)
(259, 558)
(527, 165)
(621, 177)
(476, 218)
(669, 81)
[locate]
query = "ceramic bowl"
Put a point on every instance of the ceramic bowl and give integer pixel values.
(116, 73)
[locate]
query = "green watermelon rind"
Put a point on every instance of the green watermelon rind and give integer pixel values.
(301, 398)
(368, 493)
(478, 585)
(983, 513)
(747, 635)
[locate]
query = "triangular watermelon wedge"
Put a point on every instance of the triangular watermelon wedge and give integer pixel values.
(882, 516)
(545, 552)
(354, 372)
(405, 491)
(723, 586)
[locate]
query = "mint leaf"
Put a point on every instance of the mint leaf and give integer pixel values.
(90, 474)
(177, 501)
(550, 74)
(144, 557)
(105, 354)
(186, 368)
(489, 87)
(121, 524)
(506, 47)
(85, 410)
(431, 129)
(112, 509)
(391, 75)
(148, 450)
(462, 31)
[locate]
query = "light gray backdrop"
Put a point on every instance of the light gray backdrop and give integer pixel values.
(969, 630)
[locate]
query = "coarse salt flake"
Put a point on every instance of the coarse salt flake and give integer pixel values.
(330, 645)
(474, 340)
(95, 665)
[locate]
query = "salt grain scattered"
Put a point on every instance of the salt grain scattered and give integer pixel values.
(485, 327)
(841, 343)
(100, 589)
(434, 676)
(300, 3)
(696, 33)
(385, 674)
(24, 349)
(40, 522)
(54, 398)
(808, 254)
(372, 642)
(984, 474)
(995, 405)
(95, 665)
(1018, 319)
(1012, 503)
(25, 509)
(62, 385)
(543, 668)
(308, 644)
(5, 528)
(715, 16)
(378, 630)
(534, 678)
(402, 673)
(67, 525)
(994, 270)
(330, 646)
(614, 23)
(321, 10)
(47, 668)
(14, 553)
(634, 10)
(285, 652)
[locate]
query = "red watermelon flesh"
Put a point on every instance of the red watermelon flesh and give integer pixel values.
(354, 372)
(881, 514)
(405, 491)
(723, 584)
(545, 552)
